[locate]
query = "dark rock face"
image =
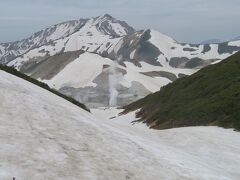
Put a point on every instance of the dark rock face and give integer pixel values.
(147, 52)
(180, 75)
(178, 61)
(191, 45)
(194, 62)
(144, 50)
(46, 68)
(189, 49)
(168, 75)
(225, 48)
(206, 48)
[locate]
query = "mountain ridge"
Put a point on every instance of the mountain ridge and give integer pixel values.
(56, 32)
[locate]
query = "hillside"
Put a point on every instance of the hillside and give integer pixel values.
(42, 85)
(209, 97)
(44, 136)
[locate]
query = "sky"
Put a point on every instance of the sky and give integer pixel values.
(189, 21)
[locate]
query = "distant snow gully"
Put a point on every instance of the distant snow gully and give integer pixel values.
(114, 78)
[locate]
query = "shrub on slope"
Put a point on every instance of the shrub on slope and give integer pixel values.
(209, 97)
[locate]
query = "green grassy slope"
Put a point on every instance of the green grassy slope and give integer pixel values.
(41, 84)
(209, 97)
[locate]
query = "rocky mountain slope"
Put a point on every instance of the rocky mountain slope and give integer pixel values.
(100, 59)
(209, 97)
(91, 34)
(158, 49)
(45, 137)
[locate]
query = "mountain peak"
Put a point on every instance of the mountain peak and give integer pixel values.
(108, 16)
(105, 17)
(109, 25)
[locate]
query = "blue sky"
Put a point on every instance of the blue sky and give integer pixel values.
(185, 20)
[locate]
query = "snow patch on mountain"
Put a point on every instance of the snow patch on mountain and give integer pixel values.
(83, 70)
(79, 73)
(162, 42)
(234, 43)
(145, 67)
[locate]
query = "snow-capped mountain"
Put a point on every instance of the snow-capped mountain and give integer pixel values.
(93, 33)
(77, 59)
(10, 51)
(46, 137)
(160, 50)
(211, 41)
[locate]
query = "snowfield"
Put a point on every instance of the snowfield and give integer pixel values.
(44, 137)
(80, 73)
(85, 69)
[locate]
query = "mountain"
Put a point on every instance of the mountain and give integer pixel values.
(158, 49)
(212, 41)
(89, 78)
(93, 33)
(100, 59)
(46, 137)
(236, 38)
(209, 97)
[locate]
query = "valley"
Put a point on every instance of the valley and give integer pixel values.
(45, 137)
(97, 99)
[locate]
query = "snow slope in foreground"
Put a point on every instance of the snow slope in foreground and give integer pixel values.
(45, 137)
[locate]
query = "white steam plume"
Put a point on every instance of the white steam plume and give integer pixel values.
(114, 79)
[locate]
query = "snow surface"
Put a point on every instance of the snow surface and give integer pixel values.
(191, 152)
(150, 83)
(171, 48)
(45, 137)
(163, 42)
(145, 67)
(234, 43)
(83, 70)
(79, 73)
(43, 37)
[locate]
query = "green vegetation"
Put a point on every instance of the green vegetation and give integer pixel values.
(209, 97)
(42, 85)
